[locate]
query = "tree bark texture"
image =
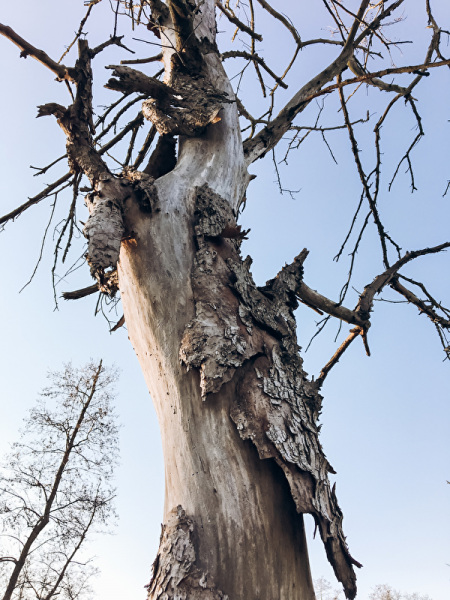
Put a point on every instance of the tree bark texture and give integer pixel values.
(237, 414)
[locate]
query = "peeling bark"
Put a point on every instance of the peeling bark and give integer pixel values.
(244, 333)
(213, 341)
(194, 105)
(175, 573)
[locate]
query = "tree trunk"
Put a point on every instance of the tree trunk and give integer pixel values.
(248, 537)
(221, 362)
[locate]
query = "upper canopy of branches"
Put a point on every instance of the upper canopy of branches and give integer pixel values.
(356, 52)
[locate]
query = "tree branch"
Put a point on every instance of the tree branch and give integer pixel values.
(290, 279)
(315, 300)
(356, 23)
(142, 61)
(255, 58)
(76, 295)
(375, 24)
(128, 80)
(365, 302)
(61, 71)
(113, 41)
(356, 68)
(35, 200)
(270, 135)
(233, 19)
(420, 304)
(282, 20)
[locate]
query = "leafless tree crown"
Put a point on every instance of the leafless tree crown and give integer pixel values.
(56, 489)
(363, 43)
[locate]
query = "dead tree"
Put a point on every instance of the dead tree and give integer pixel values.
(55, 487)
(238, 414)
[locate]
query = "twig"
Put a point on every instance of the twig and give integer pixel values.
(114, 121)
(337, 355)
(134, 133)
(145, 147)
(44, 237)
(113, 41)
(414, 143)
(282, 20)
(79, 32)
(255, 58)
(233, 19)
(371, 200)
(420, 304)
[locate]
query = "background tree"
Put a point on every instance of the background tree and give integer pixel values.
(55, 487)
(324, 590)
(246, 350)
(386, 592)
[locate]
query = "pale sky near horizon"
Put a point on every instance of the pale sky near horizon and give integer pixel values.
(385, 418)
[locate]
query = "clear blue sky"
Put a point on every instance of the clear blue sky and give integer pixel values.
(385, 418)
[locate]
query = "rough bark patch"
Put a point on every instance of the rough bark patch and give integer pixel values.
(215, 341)
(240, 331)
(144, 190)
(104, 228)
(175, 574)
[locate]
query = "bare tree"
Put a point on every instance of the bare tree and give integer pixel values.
(239, 416)
(386, 592)
(324, 590)
(55, 487)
